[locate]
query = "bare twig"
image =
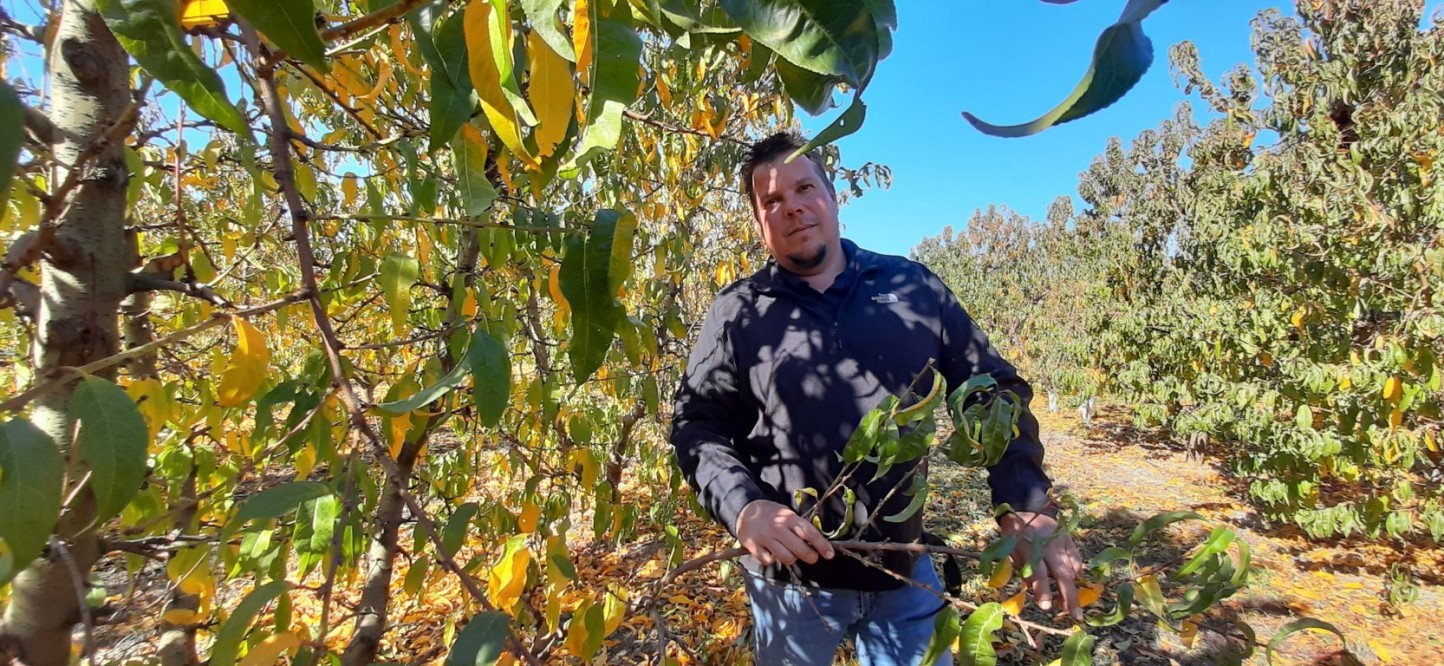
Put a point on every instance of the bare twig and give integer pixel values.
(462, 222)
(76, 579)
(64, 374)
(678, 129)
(390, 14)
(151, 282)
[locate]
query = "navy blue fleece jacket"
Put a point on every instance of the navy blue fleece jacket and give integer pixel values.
(781, 375)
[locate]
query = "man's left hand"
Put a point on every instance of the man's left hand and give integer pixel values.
(1060, 563)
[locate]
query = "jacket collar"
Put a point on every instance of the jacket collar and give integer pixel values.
(772, 277)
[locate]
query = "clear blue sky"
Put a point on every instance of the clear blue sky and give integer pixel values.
(1009, 61)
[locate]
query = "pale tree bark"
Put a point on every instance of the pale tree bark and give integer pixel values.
(80, 293)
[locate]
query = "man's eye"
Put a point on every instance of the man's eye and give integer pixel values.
(804, 187)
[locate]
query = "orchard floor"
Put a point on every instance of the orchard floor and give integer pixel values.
(1118, 476)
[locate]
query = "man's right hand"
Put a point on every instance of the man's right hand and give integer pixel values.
(775, 533)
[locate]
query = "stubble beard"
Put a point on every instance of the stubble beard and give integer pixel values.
(805, 262)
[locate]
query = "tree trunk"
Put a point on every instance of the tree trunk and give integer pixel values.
(82, 284)
(371, 614)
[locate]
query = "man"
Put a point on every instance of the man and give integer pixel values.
(787, 363)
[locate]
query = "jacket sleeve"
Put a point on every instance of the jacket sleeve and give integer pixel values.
(1018, 479)
(709, 417)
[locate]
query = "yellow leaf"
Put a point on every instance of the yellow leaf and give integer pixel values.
(1088, 595)
(614, 609)
(1298, 318)
(582, 39)
(664, 91)
(482, 28)
(195, 13)
(152, 401)
(305, 460)
(350, 186)
(1014, 604)
(181, 617)
(1384, 654)
(1393, 388)
(1396, 418)
(551, 90)
(1189, 632)
(577, 633)
(508, 577)
(268, 651)
(1001, 575)
(1345, 383)
(527, 520)
(1429, 441)
(247, 368)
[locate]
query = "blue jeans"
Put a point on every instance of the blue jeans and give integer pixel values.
(795, 625)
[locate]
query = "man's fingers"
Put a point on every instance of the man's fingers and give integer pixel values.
(1039, 582)
(815, 539)
(758, 551)
(796, 549)
(1068, 590)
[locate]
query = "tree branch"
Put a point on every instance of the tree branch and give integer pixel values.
(462, 222)
(281, 158)
(64, 374)
(391, 14)
(139, 282)
(41, 129)
(678, 129)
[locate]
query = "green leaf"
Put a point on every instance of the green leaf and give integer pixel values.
(491, 377)
(863, 439)
(810, 90)
(996, 551)
(476, 190)
(1300, 625)
(1152, 596)
(543, 17)
(1304, 418)
(12, 134)
(454, 534)
(1240, 572)
(1217, 542)
(615, 80)
(324, 511)
(1120, 57)
(149, 30)
(847, 123)
(1078, 650)
(833, 37)
(276, 502)
(398, 273)
(427, 395)
(1159, 522)
(228, 639)
(1102, 564)
(586, 284)
(1125, 603)
(946, 628)
(977, 636)
(112, 439)
(452, 101)
(481, 641)
(919, 493)
(480, 341)
(31, 473)
(290, 24)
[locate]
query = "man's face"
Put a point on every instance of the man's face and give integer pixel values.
(797, 214)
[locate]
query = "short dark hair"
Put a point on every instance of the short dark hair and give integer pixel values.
(779, 144)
